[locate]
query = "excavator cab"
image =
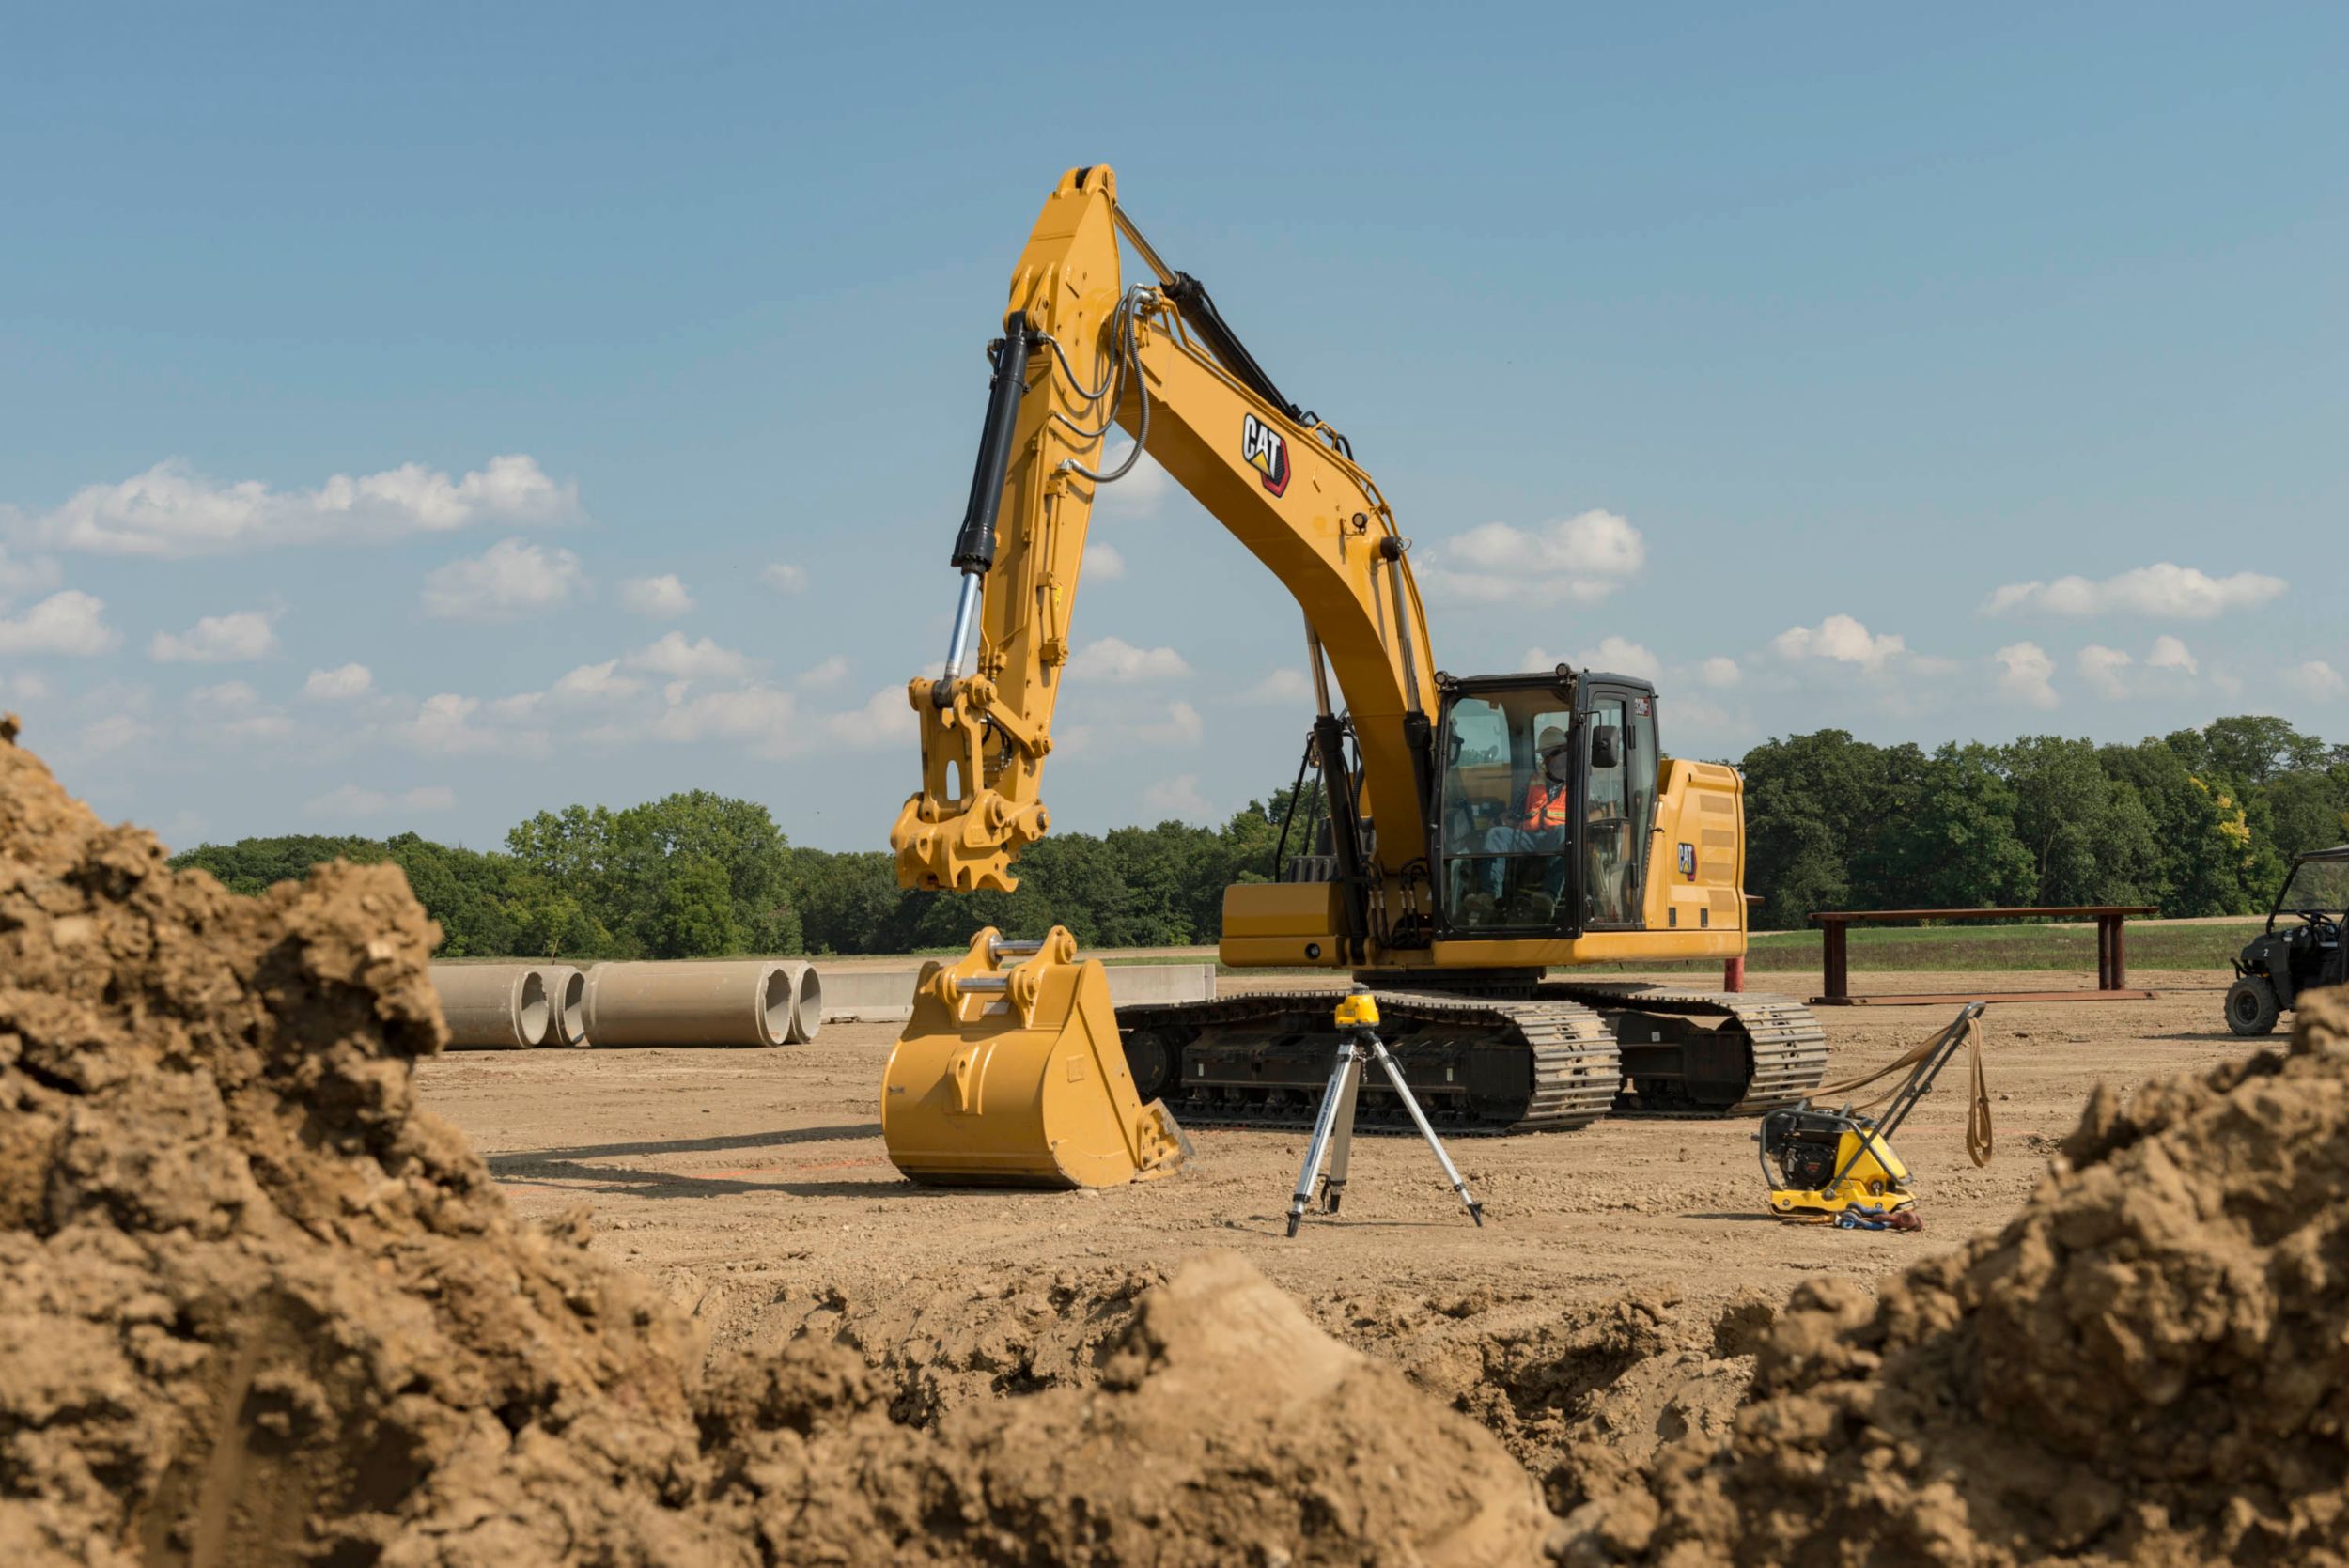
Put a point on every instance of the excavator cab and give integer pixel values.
(1544, 795)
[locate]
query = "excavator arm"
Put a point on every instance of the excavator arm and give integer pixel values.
(1082, 350)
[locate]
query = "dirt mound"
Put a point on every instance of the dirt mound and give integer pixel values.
(1578, 1393)
(1223, 1427)
(256, 1308)
(2151, 1363)
(969, 1340)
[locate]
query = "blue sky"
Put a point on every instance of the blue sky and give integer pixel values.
(368, 376)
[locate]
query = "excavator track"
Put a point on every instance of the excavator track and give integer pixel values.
(1551, 1061)
(1475, 1065)
(1786, 1048)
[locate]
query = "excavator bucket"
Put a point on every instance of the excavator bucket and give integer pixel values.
(1011, 1074)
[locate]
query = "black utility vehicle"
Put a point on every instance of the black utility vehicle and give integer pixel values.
(2301, 949)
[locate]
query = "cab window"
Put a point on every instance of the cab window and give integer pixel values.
(1507, 818)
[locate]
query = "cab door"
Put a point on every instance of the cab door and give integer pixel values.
(1619, 773)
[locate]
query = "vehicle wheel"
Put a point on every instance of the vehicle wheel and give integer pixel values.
(2251, 1007)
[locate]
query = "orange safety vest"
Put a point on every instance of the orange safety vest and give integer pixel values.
(1545, 806)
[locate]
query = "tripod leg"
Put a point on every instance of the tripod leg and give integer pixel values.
(1451, 1171)
(1341, 1139)
(1339, 1077)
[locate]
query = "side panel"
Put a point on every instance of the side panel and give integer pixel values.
(1282, 923)
(1697, 864)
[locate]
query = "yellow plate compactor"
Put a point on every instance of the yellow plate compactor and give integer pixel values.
(1013, 1075)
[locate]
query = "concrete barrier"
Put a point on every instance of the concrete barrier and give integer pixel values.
(492, 1006)
(886, 995)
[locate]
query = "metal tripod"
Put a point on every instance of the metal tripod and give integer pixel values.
(1334, 1129)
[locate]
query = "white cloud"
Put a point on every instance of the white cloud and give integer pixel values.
(1114, 659)
(1841, 639)
(34, 574)
(520, 708)
(1720, 672)
(170, 511)
(786, 579)
(444, 725)
(759, 714)
(115, 732)
(1103, 564)
(31, 688)
(1585, 558)
(509, 580)
(830, 672)
(352, 801)
(661, 598)
(1619, 656)
(595, 683)
(2170, 653)
(244, 634)
(2161, 589)
(886, 719)
(2101, 668)
(1139, 494)
(70, 622)
(2317, 680)
(338, 685)
(1280, 689)
(228, 697)
(1181, 727)
(700, 660)
(1177, 797)
(2024, 671)
(232, 712)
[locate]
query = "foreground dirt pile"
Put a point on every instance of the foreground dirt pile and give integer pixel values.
(2151, 1363)
(255, 1308)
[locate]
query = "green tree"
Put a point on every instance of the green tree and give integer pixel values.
(1953, 844)
(1814, 806)
(692, 912)
(2090, 835)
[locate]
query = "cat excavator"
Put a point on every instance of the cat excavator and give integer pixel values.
(1480, 832)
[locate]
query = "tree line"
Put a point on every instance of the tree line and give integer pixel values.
(2199, 822)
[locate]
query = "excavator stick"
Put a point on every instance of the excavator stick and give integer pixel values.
(1013, 1075)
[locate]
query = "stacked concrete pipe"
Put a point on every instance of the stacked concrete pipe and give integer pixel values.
(566, 1001)
(725, 1001)
(807, 1002)
(492, 1006)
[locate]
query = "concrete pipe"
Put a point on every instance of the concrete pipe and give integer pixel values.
(807, 999)
(492, 1006)
(566, 1001)
(724, 1001)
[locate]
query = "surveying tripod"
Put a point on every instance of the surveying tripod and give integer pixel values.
(1334, 1129)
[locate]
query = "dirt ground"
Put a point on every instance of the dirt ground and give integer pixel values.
(755, 1188)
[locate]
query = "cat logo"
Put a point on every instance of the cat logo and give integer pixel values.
(1263, 446)
(1688, 862)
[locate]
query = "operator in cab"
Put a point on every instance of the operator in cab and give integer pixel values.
(1540, 825)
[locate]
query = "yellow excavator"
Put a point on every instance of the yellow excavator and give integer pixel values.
(1479, 832)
